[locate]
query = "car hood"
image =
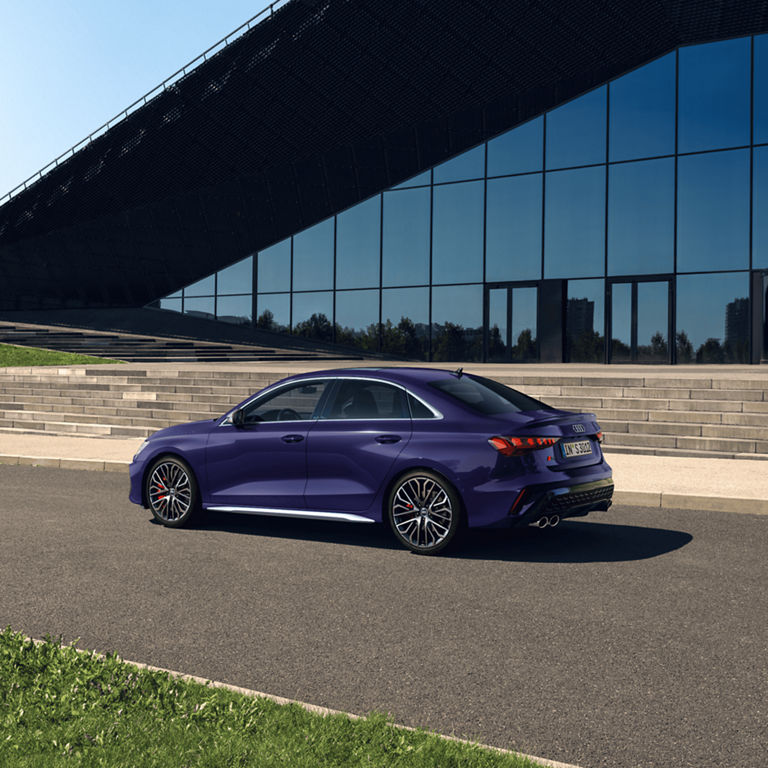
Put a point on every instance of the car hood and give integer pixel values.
(190, 428)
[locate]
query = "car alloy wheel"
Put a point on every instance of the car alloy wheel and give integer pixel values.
(171, 492)
(424, 512)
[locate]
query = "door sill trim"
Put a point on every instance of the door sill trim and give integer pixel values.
(306, 514)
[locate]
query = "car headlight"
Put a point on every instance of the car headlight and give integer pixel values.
(141, 448)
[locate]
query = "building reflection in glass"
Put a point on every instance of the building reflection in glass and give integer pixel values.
(584, 339)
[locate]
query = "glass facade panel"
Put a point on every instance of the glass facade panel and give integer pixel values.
(457, 234)
(523, 324)
(236, 279)
(313, 315)
(204, 287)
(498, 326)
(714, 85)
(621, 323)
(405, 246)
(713, 318)
(274, 268)
(576, 131)
(405, 322)
(357, 319)
(652, 322)
(760, 208)
(713, 211)
(235, 309)
(520, 150)
(584, 323)
(173, 304)
(313, 257)
(416, 181)
(641, 217)
(457, 322)
(642, 113)
(513, 228)
(200, 307)
(760, 96)
(358, 237)
(467, 165)
(274, 312)
(574, 228)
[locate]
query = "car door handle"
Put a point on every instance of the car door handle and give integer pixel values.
(388, 439)
(292, 438)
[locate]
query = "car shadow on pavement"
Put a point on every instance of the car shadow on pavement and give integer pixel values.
(573, 541)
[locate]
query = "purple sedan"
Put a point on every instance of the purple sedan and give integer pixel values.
(428, 451)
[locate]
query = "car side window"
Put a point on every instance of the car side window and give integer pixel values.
(294, 403)
(419, 410)
(359, 399)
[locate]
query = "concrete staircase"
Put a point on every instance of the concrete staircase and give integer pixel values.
(144, 349)
(721, 415)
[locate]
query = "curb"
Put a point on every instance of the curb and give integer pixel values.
(659, 500)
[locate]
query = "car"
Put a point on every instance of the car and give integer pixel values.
(426, 451)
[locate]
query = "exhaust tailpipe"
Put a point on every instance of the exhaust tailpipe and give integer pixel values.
(554, 520)
(542, 522)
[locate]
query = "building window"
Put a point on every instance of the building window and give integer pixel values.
(574, 229)
(457, 233)
(713, 318)
(406, 236)
(467, 165)
(274, 268)
(641, 217)
(520, 150)
(513, 229)
(457, 322)
(234, 309)
(357, 319)
(584, 321)
(358, 237)
(236, 279)
(313, 315)
(405, 322)
(713, 211)
(714, 95)
(576, 131)
(313, 257)
(273, 312)
(642, 115)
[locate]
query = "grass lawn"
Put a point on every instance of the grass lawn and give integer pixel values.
(13, 355)
(61, 707)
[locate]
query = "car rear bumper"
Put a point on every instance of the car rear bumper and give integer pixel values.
(578, 500)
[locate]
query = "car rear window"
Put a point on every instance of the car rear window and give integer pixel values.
(487, 396)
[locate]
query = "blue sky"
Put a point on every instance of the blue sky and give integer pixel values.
(68, 67)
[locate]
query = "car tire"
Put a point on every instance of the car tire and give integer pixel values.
(172, 492)
(424, 512)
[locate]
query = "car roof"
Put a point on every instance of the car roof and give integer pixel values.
(398, 374)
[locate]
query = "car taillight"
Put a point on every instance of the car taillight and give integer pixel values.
(517, 446)
(599, 437)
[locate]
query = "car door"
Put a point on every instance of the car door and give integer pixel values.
(263, 464)
(351, 448)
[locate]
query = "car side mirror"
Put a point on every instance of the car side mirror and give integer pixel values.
(238, 418)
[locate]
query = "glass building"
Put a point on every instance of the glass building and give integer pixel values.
(627, 225)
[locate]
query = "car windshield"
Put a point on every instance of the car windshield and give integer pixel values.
(487, 396)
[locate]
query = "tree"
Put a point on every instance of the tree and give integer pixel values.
(684, 348)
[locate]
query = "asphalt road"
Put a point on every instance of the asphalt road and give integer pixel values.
(634, 638)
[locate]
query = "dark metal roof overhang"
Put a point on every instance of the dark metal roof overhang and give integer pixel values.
(314, 109)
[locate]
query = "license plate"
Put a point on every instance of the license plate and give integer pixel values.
(576, 448)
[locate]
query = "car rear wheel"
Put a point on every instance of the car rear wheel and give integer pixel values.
(172, 492)
(424, 512)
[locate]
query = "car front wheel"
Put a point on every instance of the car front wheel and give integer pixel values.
(172, 492)
(424, 512)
